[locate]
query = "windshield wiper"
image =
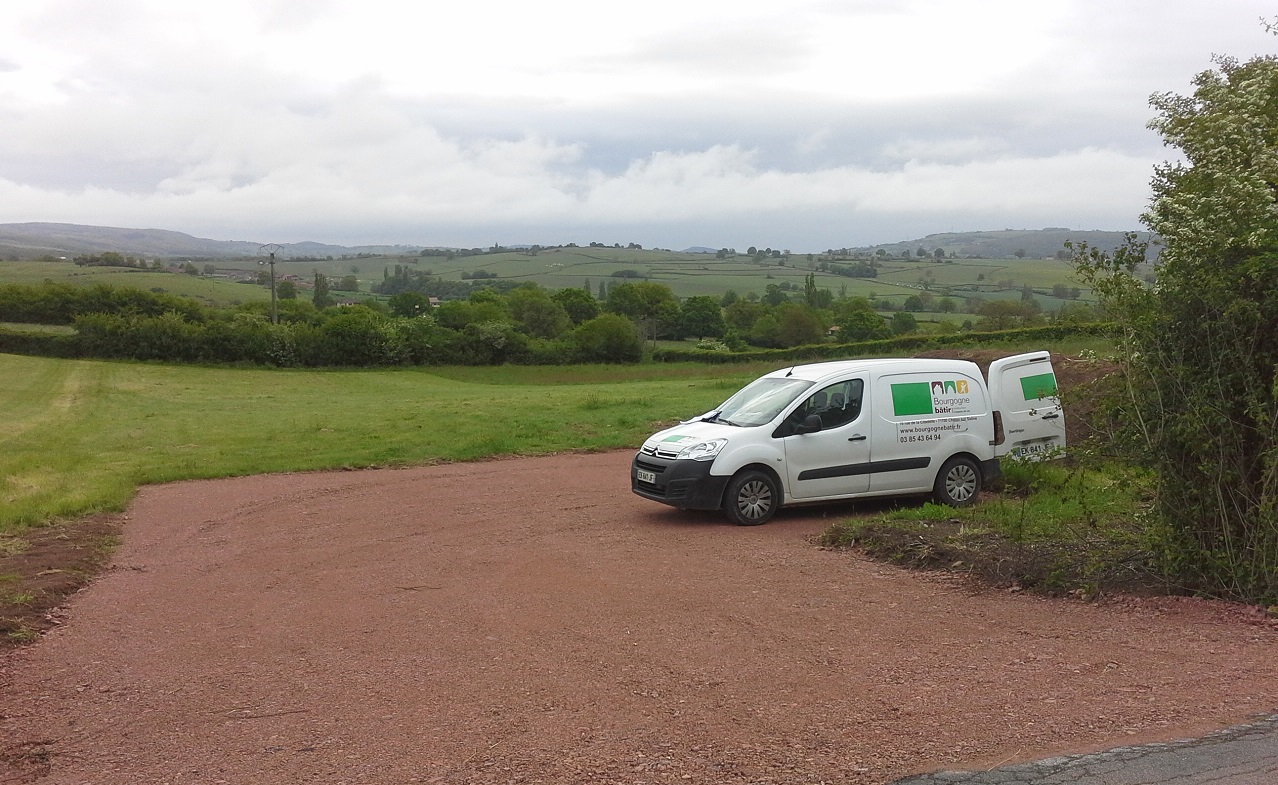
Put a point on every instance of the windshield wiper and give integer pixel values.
(714, 417)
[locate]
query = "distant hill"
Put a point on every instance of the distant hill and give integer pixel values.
(31, 240)
(1035, 243)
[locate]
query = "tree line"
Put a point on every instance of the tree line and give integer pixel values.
(488, 322)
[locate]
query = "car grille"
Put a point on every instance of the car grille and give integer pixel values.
(659, 451)
(655, 468)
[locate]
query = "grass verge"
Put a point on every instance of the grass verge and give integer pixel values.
(1055, 527)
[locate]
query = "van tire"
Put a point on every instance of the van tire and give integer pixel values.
(752, 498)
(958, 483)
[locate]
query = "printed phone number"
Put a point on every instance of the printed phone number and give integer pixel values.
(926, 437)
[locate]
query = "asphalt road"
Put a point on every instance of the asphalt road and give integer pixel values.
(1242, 755)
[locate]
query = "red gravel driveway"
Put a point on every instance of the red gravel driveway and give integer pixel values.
(532, 621)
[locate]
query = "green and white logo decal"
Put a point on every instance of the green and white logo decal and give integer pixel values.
(1036, 387)
(944, 396)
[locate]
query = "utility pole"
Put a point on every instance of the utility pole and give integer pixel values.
(271, 249)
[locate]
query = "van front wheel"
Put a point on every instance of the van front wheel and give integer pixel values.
(958, 482)
(752, 498)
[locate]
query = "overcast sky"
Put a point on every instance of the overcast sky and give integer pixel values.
(802, 125)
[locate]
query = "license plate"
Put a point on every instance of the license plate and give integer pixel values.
(645, 476)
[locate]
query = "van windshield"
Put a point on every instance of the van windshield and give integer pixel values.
(761, 401)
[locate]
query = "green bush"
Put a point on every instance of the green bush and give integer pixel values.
(609, 338)
(1201, 348)
(61, 303)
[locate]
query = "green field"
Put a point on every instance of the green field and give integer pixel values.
(81, 436)
(686, 274)
(211, 291)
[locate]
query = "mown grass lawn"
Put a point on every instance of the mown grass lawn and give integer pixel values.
(82, 436)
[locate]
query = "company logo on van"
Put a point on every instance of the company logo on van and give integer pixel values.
(945, 396)
(1041, 386)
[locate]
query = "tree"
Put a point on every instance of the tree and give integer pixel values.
(939, 253)
(536, 313)
(774, 295)
(652, 305)
(798, 325)
(857, 321)
(862, 326)
(904, 322)
(701, 316)
(742, 314)
(457, 314)
(766, 332)
(609, 338)
(320, 296)
(286, 290)
(580, 305)
(814, 297)
(1201, 347)
(409, 304)
(349, 283)
(1008, 315)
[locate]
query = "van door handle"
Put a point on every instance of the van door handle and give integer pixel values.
(857, 438)
(1050, 416)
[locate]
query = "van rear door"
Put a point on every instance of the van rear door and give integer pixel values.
(1024, 397)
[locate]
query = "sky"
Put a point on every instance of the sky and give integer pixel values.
(802, 125)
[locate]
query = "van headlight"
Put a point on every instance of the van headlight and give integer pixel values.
(702, 451)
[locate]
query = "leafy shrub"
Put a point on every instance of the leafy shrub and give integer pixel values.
(610, 338)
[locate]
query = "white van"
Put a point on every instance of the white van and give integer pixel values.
(855, 428)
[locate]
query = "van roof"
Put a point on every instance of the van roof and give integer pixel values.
(816, 372)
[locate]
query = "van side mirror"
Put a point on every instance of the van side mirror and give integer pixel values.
(811, 424)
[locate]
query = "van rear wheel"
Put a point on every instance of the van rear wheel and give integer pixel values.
(752, 498)
(958, 483)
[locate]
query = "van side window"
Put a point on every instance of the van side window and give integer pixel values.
(836, 405)
(844, 403)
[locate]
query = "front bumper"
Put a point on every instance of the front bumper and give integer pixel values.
(688, 485)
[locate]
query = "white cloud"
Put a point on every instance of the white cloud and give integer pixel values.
(833, 121)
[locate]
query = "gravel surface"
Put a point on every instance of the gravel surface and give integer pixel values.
(533, 621)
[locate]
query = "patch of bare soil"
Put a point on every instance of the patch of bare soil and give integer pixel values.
(533, 621)
(41, 567)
